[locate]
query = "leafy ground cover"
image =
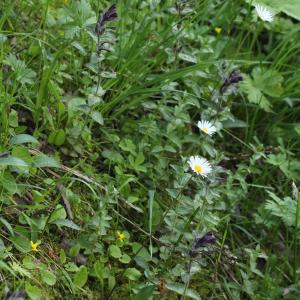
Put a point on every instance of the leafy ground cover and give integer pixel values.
(149, 151)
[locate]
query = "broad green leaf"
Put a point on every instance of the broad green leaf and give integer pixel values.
(33, 291)
(58, 214)
(139, 159)
(21, 243)
(98, 268)
(66, 223)
(125, 259)
(111, 282)
(101, 271)
(7, 225)
(29, 263)
(62, 256)
(74, 250)
(179, 289)
(9, 183)
(114, 251)
(44, 161)
(23, 139)
(128, 145)
(291, 8)
(97, 117)
(3, 38)
(132, 274)
(80, 277)
(57, 137)
(145, 293)
(48, 277)
(12, 161)
(22, 153)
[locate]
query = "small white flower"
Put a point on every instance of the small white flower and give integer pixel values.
(200, 165)
(264, 13)
(207, 127)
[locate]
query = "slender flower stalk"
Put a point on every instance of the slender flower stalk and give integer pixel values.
(296, 231)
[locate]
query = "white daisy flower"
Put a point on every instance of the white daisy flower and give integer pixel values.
(207, 127)
(264, 13)
(200, 165)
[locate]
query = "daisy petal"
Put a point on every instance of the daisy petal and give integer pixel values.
(200, 165)
(207, 127)
(264, 13)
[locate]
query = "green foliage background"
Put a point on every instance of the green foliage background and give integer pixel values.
(94, 149)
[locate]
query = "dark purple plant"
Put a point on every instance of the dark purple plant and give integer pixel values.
(201, 242)
(104, 17)
(234, 77)
(18, 295)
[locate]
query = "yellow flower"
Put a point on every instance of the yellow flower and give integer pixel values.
(120, 236)
(33, 246)
(218, 30)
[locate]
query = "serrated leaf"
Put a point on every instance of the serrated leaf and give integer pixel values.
(21, 72)
(16, 267)
(254, 94)
(268, 81)
(6, 267)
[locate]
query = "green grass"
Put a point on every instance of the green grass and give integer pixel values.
(94, 149)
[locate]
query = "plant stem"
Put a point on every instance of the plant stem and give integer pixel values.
(296, 240)
(189, 278)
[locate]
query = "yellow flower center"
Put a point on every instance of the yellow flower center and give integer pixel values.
(218, 30)
(120, 236)
(205, 129)
(34, 246)
(198, 169)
